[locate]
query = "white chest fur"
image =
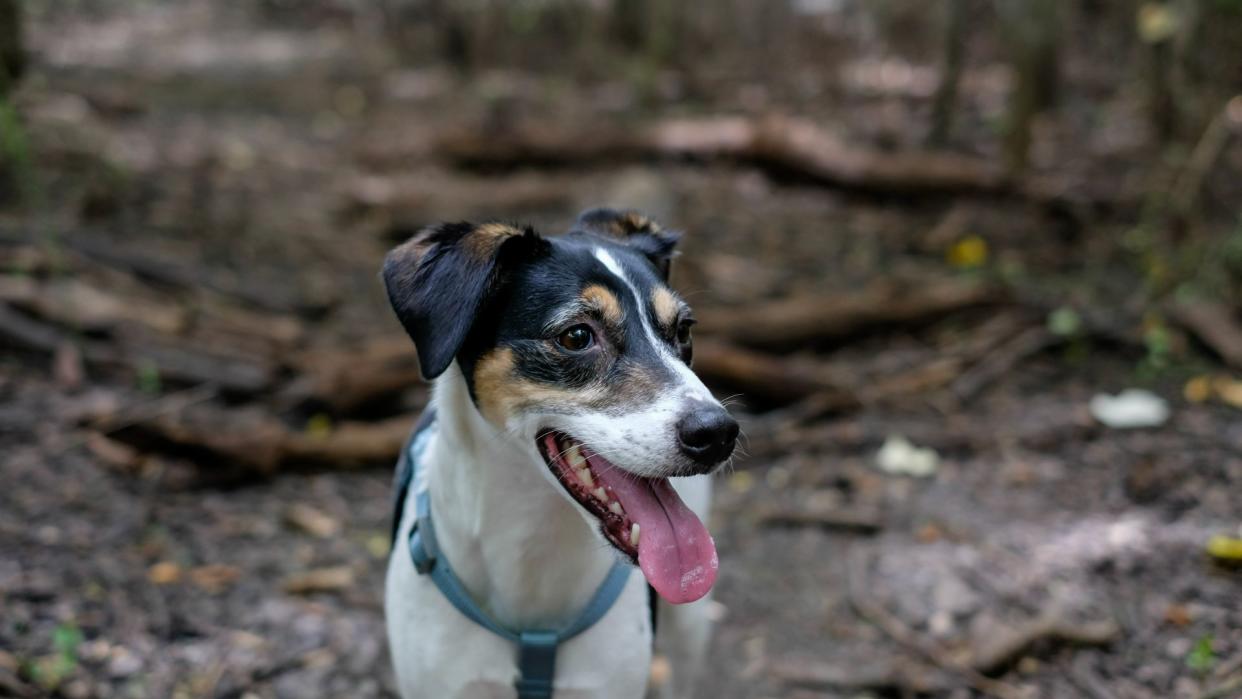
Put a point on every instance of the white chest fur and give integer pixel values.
(437, 652)
(530, 561)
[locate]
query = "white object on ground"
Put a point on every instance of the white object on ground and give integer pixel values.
(1130, 409)
(899, 457)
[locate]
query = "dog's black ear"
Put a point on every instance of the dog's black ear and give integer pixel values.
(438, 280)
(637, 230)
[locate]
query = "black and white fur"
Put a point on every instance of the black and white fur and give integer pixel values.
(489, 308)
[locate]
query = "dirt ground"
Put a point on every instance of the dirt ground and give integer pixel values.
(273, 161)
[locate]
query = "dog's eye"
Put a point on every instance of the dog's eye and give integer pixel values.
(685, 344)
(683, 331)
(577, 338)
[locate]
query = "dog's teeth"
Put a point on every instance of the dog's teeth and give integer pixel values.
(615, 507)
(574, 456)
(585, 475)
(600, 493)
(634, 535)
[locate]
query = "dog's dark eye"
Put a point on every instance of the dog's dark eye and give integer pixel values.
(683, 331)
(577, 338)
(685, 341)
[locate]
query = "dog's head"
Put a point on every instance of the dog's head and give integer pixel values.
(577, 345)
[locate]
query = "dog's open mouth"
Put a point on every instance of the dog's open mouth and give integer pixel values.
(643, 517)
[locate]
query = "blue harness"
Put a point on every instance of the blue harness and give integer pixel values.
(536, 656)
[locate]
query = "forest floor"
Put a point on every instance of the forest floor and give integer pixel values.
(188, 309)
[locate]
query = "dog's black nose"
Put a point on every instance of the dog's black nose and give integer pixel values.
(707, 434)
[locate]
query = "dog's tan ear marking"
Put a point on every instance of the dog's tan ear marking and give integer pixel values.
(636, 230)
(439, 279)
(666, 306)
(485, 240)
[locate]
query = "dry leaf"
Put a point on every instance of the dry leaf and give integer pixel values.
(1228, 390)
(112, 452)
(332, 579)
(1178, 615)
(216, 577)
(312, 521)
(164, 573)
(1198, 389)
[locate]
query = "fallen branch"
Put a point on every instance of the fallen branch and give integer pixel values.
(407, 199)
(907, 638)
(346, 380)
(182, 363)
(175, 363)
(1086, 680)
(1000, 650)
(249, 442)
(1000, 362)
(783, 435)
(91, 247)
(808, 319)
(349, 444)
(875, 674)
(1214, 141)
(786, 145)
(851, 520)
(271, 672)
(73, 303)
(768, 378)
(919, 380)
(1214, 324)
(1224, 690)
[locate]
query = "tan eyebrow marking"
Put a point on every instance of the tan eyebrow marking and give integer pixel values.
(666, 306)
(599, 298)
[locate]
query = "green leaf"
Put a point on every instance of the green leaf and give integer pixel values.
(1202, 657)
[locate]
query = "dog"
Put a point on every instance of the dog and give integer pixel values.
(569, 432)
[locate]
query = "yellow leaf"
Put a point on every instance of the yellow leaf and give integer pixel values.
(1157, 22)
(741, 481)
(1225, 548)
(1229, 391)
(971, 251)
(319, 425)
(377, 545)
(1197, 389)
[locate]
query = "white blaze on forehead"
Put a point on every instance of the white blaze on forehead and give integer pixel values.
(689, 380)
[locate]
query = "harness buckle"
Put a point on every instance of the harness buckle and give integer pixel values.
(424, 562)
(536, 664)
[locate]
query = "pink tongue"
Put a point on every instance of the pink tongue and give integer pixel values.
(675, 552)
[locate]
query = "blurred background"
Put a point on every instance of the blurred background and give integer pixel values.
(971, 271)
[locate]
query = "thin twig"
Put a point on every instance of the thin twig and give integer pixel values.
(1228, 690)
(1203, 158)
(1000, 362)
(908, 638)
(144, 411)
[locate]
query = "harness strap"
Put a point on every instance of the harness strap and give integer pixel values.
(536, 664)
(536, 648)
